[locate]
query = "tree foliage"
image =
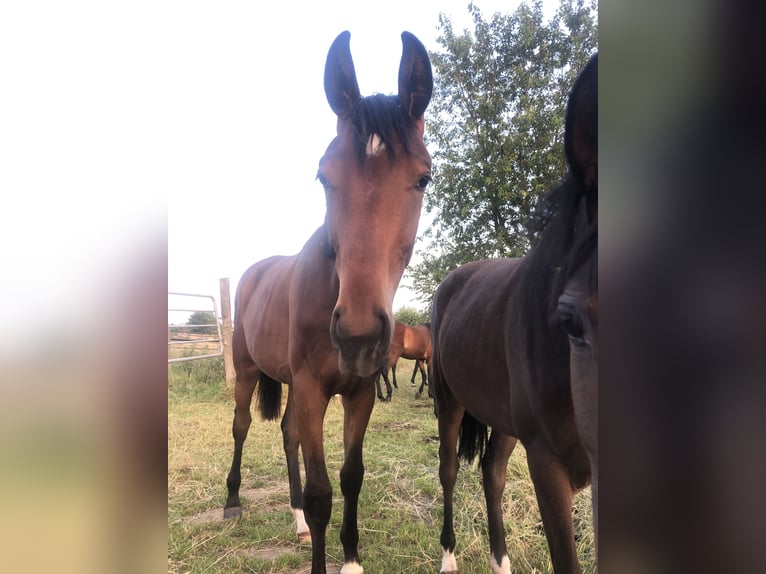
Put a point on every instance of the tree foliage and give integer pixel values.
(206, 320)
(410, 316)
(496, 128)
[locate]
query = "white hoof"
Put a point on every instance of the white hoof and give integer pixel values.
(352, 568)
(449, 564)
(503, 568)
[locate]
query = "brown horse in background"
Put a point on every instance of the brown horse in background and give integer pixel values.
(321, 321)
(501, 358)
(409, 342)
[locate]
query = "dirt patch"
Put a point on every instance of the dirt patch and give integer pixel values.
(270, 552)
(212, 515)
(424, 405)
(252, 495)
(394, 426)
(331, 569)
(258, 494)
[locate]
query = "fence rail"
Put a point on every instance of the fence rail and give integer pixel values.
(185, 334)
(200, 348)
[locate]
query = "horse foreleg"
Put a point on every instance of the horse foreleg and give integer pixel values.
(357, 409)
(493, 468)
(450, 415)
(291, 443)
(311, 403)
(247, 377)
(554, 497)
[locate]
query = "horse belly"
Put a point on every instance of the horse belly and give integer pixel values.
(475, 370)
(264, 314)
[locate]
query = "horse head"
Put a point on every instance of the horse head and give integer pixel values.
(374, 173)
(577, 309)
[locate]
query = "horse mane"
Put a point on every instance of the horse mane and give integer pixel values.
(382, 115)
(561, 213)
(582, 253)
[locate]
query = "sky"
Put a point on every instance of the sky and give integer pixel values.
(201, 122)
(261, 121)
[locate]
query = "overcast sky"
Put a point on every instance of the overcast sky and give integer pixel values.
(121, 121)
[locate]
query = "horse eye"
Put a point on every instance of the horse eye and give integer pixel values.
(423, 182)
(573, 327)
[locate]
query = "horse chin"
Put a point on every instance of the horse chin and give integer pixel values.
(361, 363)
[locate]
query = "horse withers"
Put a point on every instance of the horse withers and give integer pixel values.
(321, 321)
(501, 357)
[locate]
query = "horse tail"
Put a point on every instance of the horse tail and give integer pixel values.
(472, 439)
(269, 397)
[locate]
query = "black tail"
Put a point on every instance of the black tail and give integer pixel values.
(269, 397)
(472, 439)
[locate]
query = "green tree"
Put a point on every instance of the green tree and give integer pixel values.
(207, 321)
(410, 316)
(496, 127)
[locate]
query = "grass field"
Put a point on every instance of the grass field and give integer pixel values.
(399, 508)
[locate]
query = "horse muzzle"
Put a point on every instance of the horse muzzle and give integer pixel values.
(362, 344)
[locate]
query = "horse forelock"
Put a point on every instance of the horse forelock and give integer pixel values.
(378, 122)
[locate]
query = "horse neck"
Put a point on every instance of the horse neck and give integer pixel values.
(315, 272)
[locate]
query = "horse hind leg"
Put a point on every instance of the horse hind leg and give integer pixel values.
(291, 442)
(389, 390)
(450, 415)
(494, 465)
(423, 381)
(378, 389)
(247, 378)
(393, 374)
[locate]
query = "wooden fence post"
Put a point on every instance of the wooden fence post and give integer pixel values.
(227, 329)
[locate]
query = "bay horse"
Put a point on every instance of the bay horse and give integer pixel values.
(321, 321)
(409, 342)
(501, 357)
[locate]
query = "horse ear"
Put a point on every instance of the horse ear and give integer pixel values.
(581, 132)
(415, 77)
(340, 83)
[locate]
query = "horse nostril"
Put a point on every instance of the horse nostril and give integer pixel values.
(335, 325)
(385, 326)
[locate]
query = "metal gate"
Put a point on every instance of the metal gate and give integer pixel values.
(188, 342)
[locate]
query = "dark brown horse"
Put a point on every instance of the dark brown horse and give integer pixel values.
(321, 321)
(409, 342)
(577, 313)
(502, 360)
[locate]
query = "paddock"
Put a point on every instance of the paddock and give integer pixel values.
(399, 507)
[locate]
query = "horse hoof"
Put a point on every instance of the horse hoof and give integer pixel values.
(418, 395)
(232, 512)
(352, 568)
(304, 537)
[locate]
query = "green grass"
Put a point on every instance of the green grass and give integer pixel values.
(400, 506)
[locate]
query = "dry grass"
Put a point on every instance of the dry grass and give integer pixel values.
(400, 504)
